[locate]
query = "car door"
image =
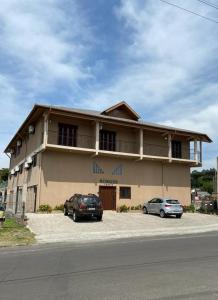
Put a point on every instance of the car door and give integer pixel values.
(150, 205)
(155, 204)
(70, 204)
(158, 205)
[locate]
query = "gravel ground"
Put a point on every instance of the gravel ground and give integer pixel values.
(56, 227)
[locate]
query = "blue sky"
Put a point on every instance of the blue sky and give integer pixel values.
(91, 54)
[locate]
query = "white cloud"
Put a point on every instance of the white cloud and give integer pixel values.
(43, 45)
(44, 42)
(170, 66)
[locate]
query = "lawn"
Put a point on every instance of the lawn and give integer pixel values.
(15, 234)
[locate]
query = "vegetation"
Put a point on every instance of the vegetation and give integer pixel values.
(123, 208)
(4, 175)
(190, 208)
(59, 207)
(45, 208)
(204, 180)
(12, 233)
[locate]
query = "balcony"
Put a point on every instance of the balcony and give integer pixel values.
(120, 148)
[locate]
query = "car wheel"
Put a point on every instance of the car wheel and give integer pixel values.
(99, 218)
(162, 213)
(145, 211)
(178, 216)
(75, 217)
(65, 212)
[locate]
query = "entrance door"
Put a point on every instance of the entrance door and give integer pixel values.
(31, 199)
(18, 207)
(107, 194)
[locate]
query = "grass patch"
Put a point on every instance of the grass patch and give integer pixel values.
(14, 234)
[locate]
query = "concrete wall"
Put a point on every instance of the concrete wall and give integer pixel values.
(67, 173)
(30, 142)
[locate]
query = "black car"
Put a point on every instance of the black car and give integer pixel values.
(80, 206)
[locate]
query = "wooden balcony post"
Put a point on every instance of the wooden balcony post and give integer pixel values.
(195, 150)
(200, 151)
(97, 137)
(170, 147)
(141, 143)
(45, 137)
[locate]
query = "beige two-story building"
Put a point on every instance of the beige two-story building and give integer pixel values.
(61, 151)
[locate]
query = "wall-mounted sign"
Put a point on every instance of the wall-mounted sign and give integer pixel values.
(108, 181)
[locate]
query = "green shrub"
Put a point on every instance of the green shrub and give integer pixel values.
(132, 207)
(189, 208)
(45, 208)
(138, 207)
(123, 208)
(59, 207)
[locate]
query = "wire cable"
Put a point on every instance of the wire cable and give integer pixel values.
(209, 4)
(190, 11)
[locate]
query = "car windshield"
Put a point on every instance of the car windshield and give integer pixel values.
(172, 201)
(91, 200)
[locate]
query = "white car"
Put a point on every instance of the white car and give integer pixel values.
(163, 207)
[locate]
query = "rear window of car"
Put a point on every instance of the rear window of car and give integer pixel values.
(172, 201)
(90, 200)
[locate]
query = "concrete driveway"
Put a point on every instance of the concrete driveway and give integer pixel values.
(56, 227)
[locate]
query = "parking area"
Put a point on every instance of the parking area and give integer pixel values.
(56, 227)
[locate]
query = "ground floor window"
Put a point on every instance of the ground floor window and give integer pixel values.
(125, 192)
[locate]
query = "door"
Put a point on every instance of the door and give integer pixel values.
(150, 205)
(107, 194)
(157, 206)
(18, 207)
(31, 199)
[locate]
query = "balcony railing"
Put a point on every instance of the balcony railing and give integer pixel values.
(80, 141)
(119, 146)
(155, 150)
(128, 147)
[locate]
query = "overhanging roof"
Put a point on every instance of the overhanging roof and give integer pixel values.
(38, 110)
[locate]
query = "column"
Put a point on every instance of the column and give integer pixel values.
(169, 147)
(97, 137)
(195, 150)
(200, 151)
(45, 130)
(141, 143)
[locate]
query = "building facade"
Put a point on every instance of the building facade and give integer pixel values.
(59, 151)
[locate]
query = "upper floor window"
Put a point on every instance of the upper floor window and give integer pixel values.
(107, 140)
(176, 149)
(67, 135)
(21, 168)
(34, 160)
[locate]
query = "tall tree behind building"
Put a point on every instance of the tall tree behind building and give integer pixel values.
(4, 172)
(204, 180)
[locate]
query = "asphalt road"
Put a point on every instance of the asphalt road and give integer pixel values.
(151, 268)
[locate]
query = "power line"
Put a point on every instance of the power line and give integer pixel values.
(190, 11)
(209, 4)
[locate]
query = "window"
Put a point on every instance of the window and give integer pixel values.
(176, 149)
(125, 192)
(67, 135)
(21, 168)
(34, 160)
(107, 140)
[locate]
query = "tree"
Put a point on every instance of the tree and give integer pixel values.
(203, 179)
(4, 172)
